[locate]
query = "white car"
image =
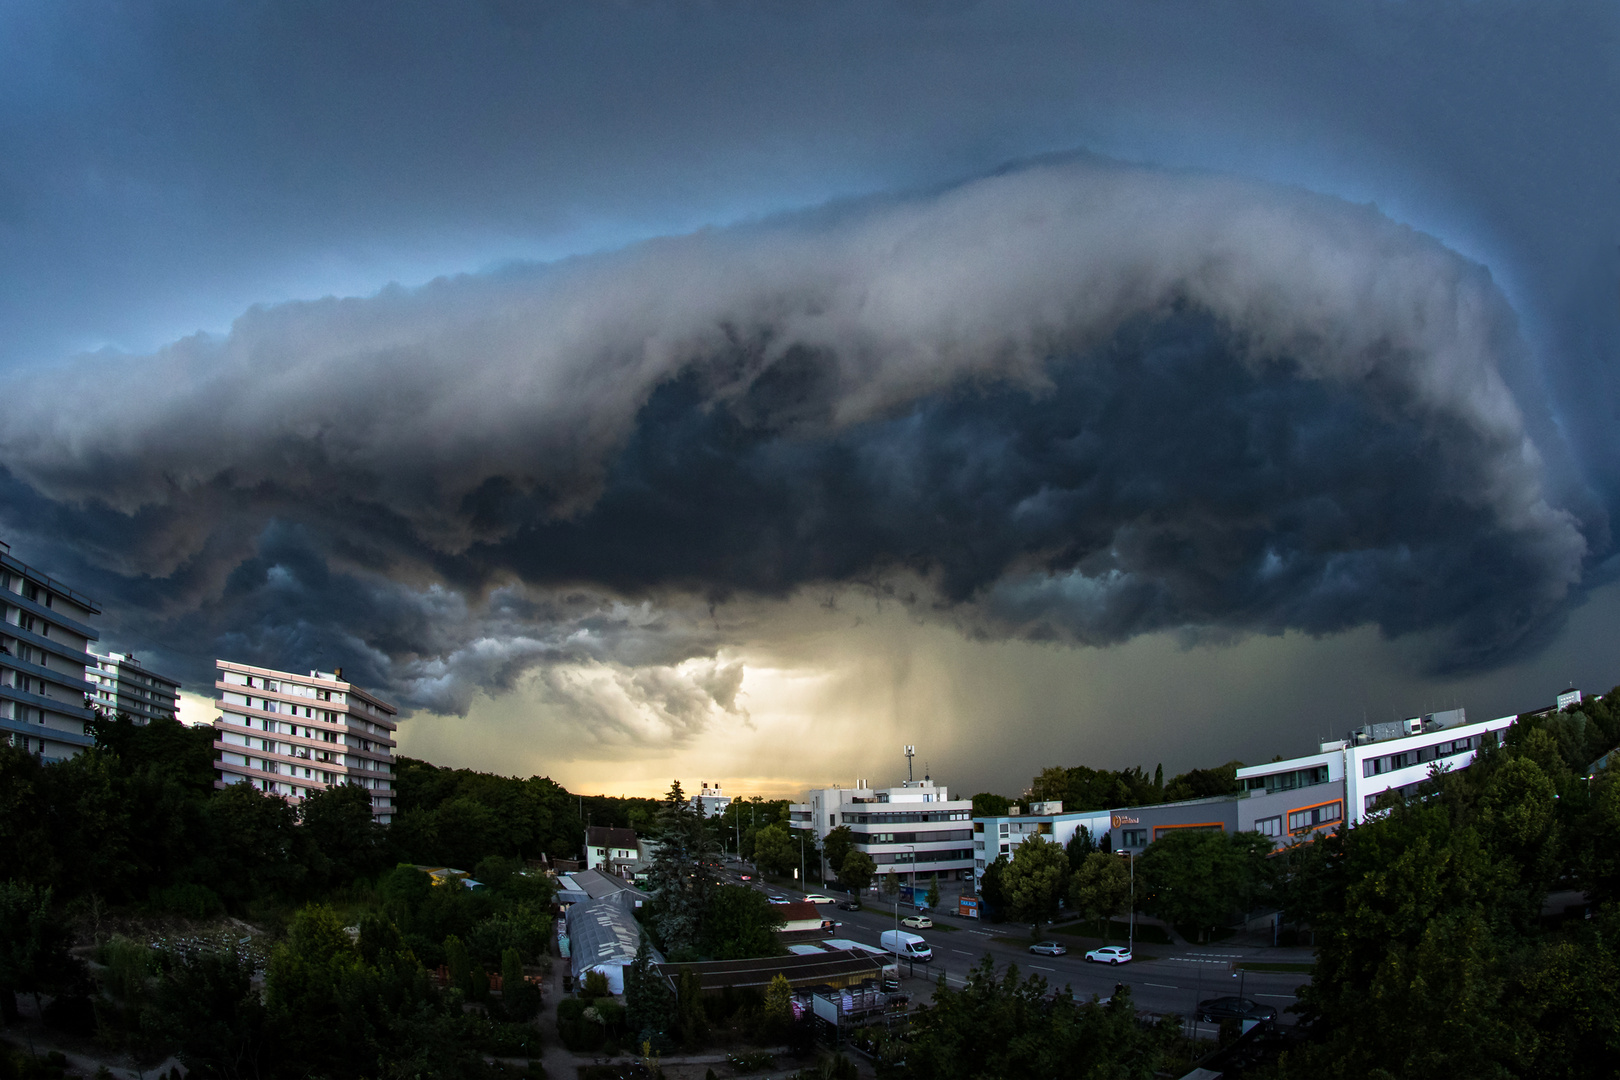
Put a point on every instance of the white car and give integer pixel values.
(1109, 954)
(817, 898)
(918, 922)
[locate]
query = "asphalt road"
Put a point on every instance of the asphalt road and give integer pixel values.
(1173, 982)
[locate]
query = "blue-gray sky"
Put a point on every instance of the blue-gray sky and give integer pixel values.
(333, 332)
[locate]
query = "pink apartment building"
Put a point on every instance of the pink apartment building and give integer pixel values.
(292, 735)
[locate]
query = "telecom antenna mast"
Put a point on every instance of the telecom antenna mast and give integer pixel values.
(911, 752)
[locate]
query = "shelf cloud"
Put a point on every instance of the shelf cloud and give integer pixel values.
(1075, 401)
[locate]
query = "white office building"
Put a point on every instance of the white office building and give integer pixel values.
(291, 735)
(121, 686)
(44, 650)
(710, 801)
(914, 829)
(1341, 783)
(1001, 835)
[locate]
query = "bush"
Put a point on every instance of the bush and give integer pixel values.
(596, 986)
(751, 1062)
(511, 1040)
(129, 967)
(579, 1025)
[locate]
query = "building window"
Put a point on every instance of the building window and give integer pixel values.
(1271, 826)
(1301, 821)
(1133, 838)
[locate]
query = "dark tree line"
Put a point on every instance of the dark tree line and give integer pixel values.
(1439, 956)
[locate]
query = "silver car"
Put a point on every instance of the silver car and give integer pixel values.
(1050, 948)
(1109, 954)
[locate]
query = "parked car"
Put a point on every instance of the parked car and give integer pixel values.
(849, 905)
(1050, 948)
(1234, 1008)
(1109, 954)
(818, 898)
(918, 922)
(779, 900)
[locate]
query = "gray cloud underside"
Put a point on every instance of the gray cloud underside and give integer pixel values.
(1074, 400)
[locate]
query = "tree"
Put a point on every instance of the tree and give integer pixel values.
(1101, 888)
(681, 877)
(891, 887)
(740, 923)
(34, 943)
(776, 850)
(689, 1017)
(1009, 1026)
(1196, 878)
(520, 1000)
(988, 804)
(992, 896)
(1079, 846)
(646, 1001)
(856, 870)
(838, 844)
(340, 826)
(1034, 880)
(778, 1006)
(933, 891)
(208, 1010)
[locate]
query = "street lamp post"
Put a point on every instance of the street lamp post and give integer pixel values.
(1130, 934)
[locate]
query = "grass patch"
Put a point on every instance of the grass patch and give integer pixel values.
(1262, 966)
(1117, 934)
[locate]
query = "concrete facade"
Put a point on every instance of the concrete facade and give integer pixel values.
(292, 735)
(120, 685)
(916, 829)
(44, 651)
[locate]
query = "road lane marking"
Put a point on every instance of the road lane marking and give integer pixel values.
(1038, 967)
(1287, 997)
(961, 952)
(1161, 986)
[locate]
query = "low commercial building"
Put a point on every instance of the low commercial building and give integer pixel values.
(801, 916)
(292, 735)
(915, 830)
(121, 686)
(45, 641)
(837, 969)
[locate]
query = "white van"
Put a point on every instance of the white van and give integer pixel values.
(909, 946)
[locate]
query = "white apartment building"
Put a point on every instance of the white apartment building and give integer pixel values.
(120, 685)
(291, 735)
(45, 639)
(916, 828)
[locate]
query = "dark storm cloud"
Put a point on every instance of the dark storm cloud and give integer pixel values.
(166, 165)
(1075, 400)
